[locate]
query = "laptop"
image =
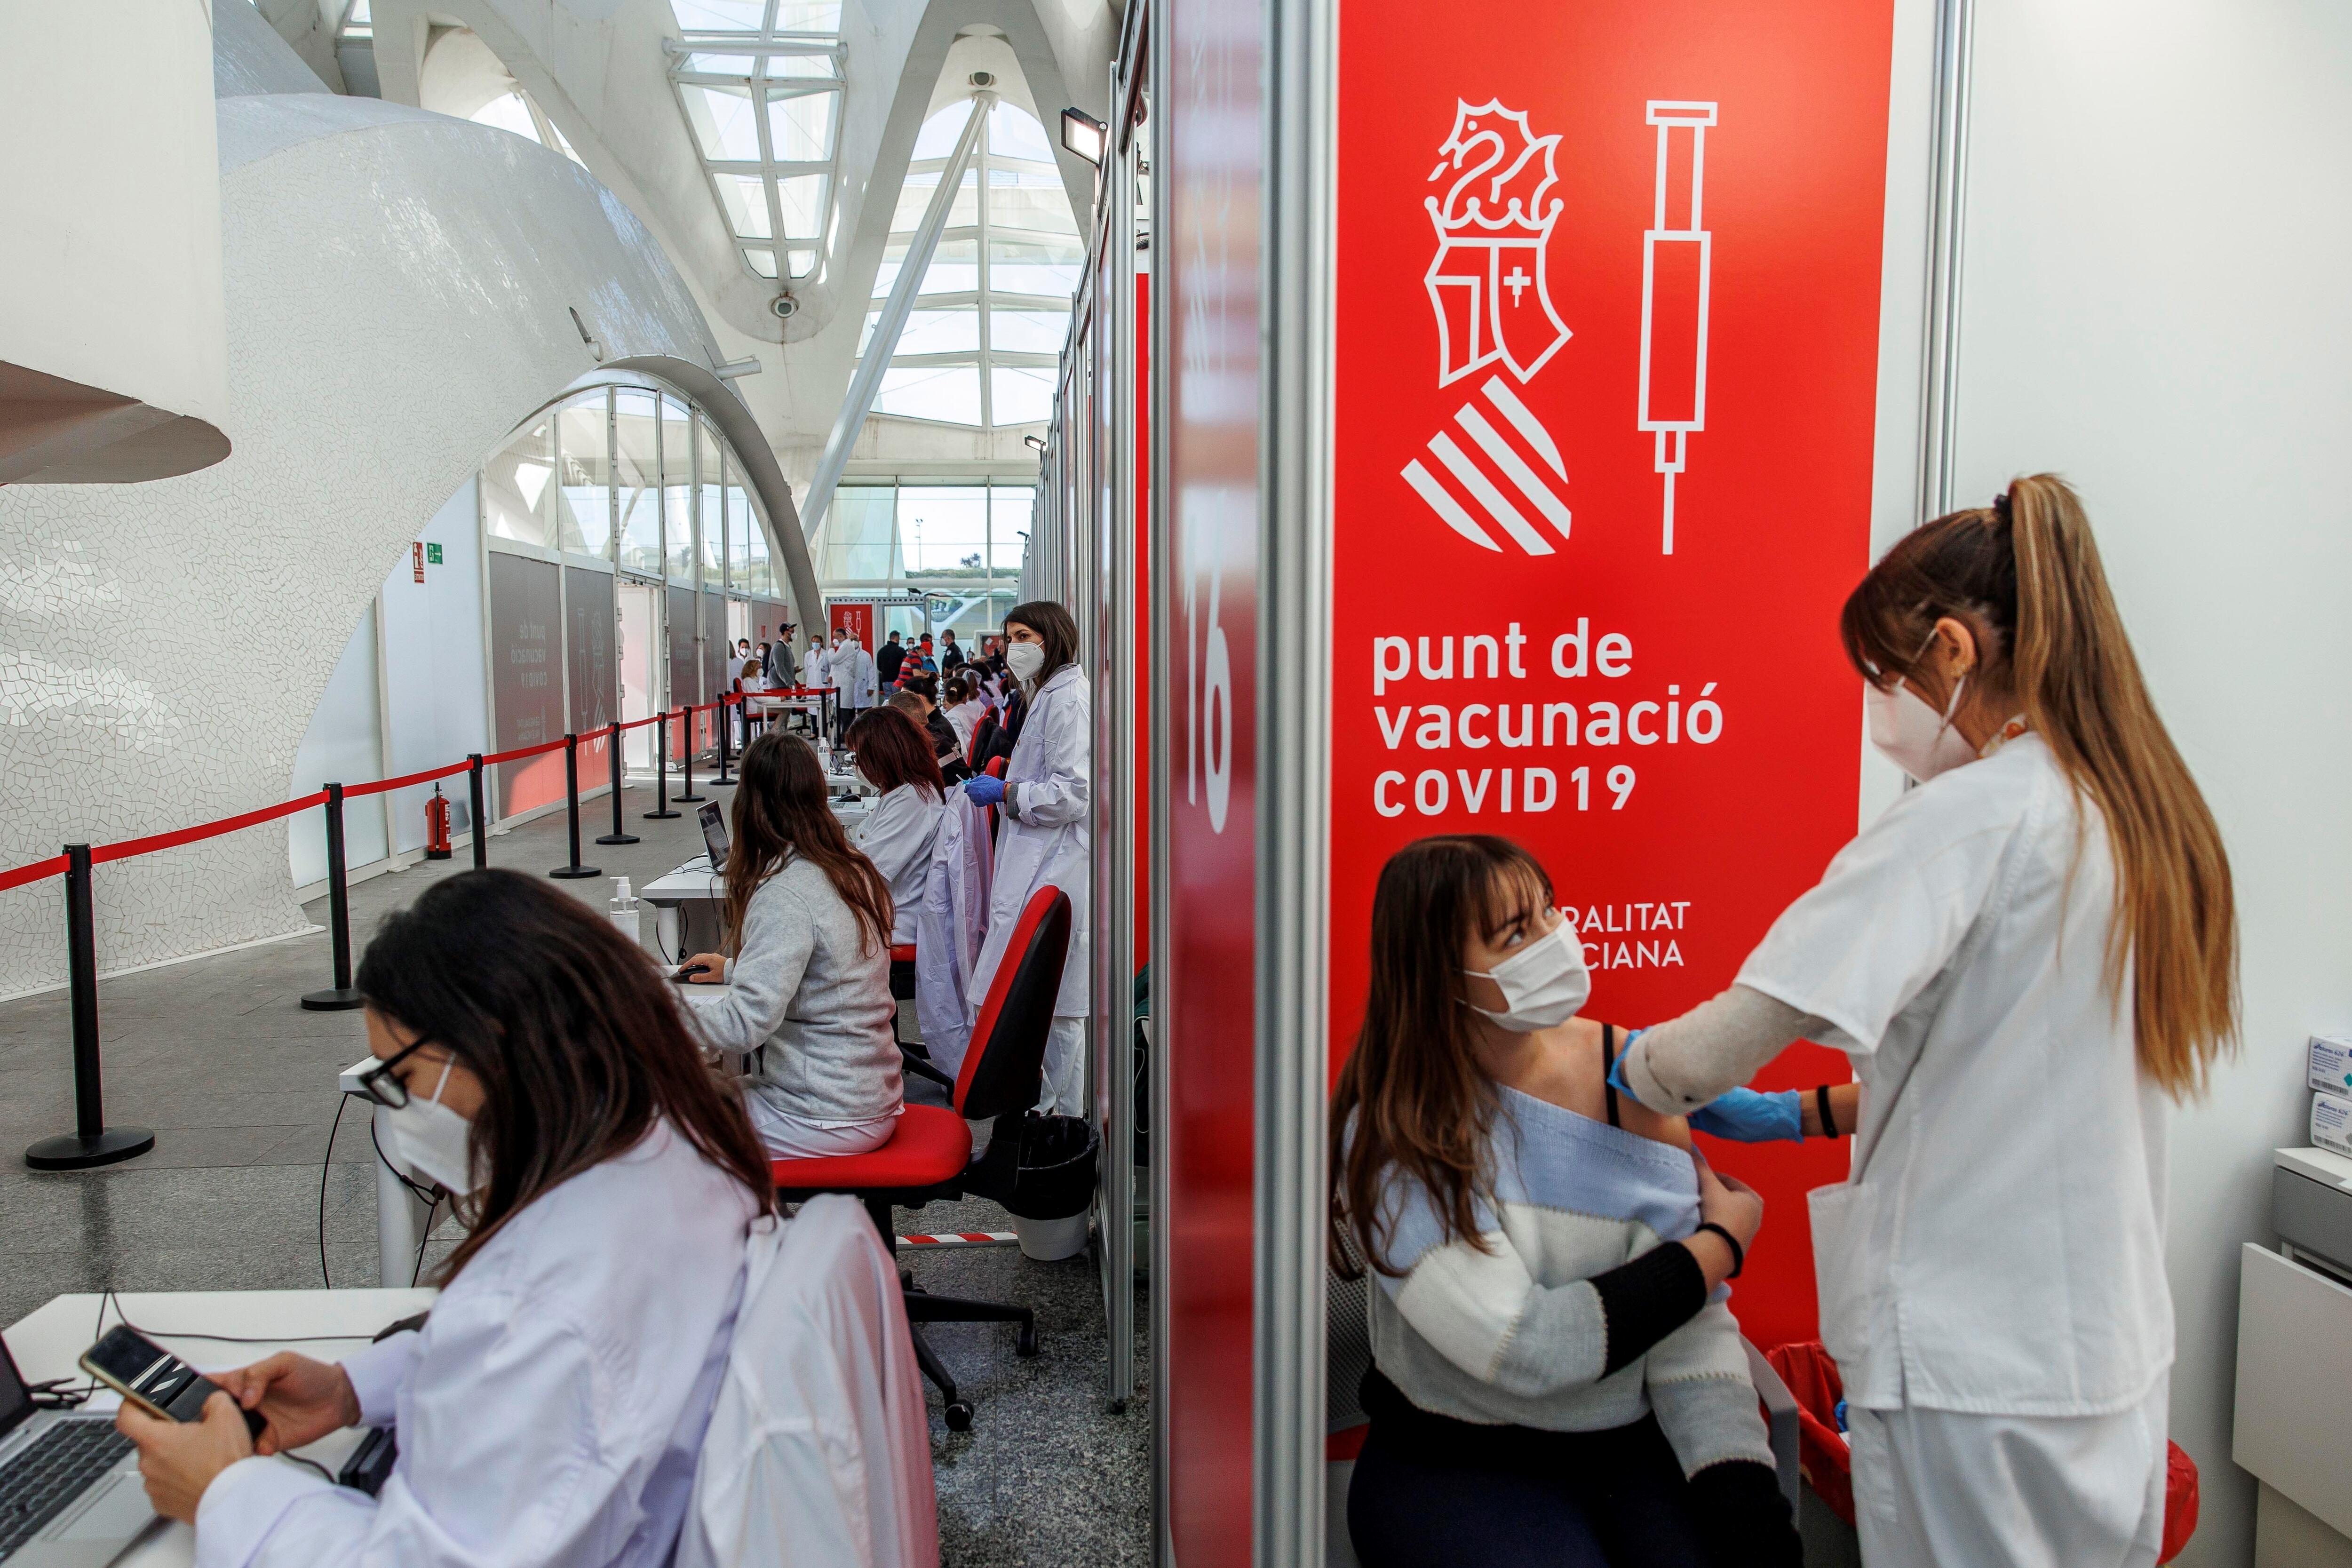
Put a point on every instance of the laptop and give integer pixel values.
(714, 835)
(70, 1496)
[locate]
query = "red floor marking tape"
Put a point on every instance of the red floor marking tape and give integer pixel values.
(963, 1238)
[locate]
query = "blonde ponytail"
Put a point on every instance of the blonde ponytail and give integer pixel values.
(2026, 574)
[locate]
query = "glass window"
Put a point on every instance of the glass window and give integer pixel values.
(1021, 395)
(720, 15)
(943, 530)
(745, 199)
(945, 393)
(1009, 509)
(761, 259)
(722, 121)
(678, 489)
(517, 499)
(1011, 236)
(857, 531)
(808, 16)
(803, 196)
(637, 478)
(710, 456)
(738, 532)
(800, 126)
(759, 575)
(585, 514)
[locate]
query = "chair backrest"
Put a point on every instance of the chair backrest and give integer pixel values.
(994, 770)
(1005, 1064)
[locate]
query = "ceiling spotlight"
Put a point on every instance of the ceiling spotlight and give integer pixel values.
(1036, 441)
(1084, 135)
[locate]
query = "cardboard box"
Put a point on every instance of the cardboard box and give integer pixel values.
(2331, 1122)
(2329, 1067)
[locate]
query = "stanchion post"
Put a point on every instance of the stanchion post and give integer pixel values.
(613, 743)
(685, 735)
(341, 997)
(92, 1142)
(574, 869)
(661, 771)
(725, 729)
(481, 825)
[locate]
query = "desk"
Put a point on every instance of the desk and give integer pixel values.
(399, 1212)
(46, 1344)
(685, 900)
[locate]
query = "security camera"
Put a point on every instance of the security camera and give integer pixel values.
(983, 79)
(783, 306)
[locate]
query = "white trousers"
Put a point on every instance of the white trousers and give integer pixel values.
(788, 1137)
(1935, 1488)
(1066, 1070)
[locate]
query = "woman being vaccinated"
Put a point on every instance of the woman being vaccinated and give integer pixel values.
(550, 1409)
(1045, 837)
(2023, 957)
(808, 977)
(1556, 1380)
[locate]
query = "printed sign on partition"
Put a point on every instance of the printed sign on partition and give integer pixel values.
(1607, 368)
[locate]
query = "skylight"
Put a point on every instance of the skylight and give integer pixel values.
(985, 336)
(760, 84)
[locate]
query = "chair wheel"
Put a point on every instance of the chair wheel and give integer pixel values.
(1026, 1342)
(959, 1416)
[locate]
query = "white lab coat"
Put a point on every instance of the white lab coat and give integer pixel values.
(853, 672)
(1043, 835)
(966, 717)
(897, 836)
(820, 1453)
(817, 670)
(952, 923)
(553, 1408)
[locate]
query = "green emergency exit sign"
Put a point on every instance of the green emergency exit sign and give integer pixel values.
(433, 555)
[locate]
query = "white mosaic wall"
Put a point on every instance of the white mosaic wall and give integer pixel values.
(399, 290)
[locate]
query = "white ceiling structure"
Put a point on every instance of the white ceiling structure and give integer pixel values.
(752, 136)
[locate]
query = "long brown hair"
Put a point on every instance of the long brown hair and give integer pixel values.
(1413, 1095)
(780, 812)
(2024, 576)
(892, 750)
(570, 1028)
(1056, 629)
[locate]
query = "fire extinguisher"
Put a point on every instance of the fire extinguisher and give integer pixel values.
(436, 826)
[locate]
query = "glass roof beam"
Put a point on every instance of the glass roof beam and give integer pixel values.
(867, 379)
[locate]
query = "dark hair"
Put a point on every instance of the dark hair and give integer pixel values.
(893, 750)
(780, 812)
(1412, 1087)
(577, 1043)
(1054, 627)
(2024, 576)
(926, 687)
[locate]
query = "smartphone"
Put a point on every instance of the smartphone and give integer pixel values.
(153, 1378)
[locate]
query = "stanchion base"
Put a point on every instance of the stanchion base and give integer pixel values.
(342, 1001)
(723, 779)
(616, 839)
(439, 854)
(663, 816)
(691, 799)
(72, 1152)
(574, 873)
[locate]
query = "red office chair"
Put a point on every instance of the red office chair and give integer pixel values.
(994, 770)
(929, 1152)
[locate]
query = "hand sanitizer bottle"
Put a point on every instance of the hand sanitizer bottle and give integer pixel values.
(626, 913)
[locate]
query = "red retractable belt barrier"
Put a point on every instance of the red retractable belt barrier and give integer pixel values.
(406, 780)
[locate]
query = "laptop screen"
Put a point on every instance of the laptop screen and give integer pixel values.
(714, 835)
(16, 1404)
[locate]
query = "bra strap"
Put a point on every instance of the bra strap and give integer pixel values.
(1608, 1063)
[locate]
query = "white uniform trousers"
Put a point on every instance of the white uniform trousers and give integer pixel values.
(1065, 1090)
(1936, 1489)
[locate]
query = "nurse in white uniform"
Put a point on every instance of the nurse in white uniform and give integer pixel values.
(551, 1408)
(2022, 958)
(895, 756)
(1045, 837)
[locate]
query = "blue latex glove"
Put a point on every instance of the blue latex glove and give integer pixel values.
(984, 790)
(1617, 1069)
(1747, 1116)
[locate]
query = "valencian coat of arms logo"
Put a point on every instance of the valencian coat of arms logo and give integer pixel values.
(1486, 281)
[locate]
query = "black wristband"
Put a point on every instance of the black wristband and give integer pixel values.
(1829, 1123)
(1739, 1252)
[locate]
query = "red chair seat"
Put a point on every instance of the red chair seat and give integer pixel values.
(930, 1145)
(902, 952)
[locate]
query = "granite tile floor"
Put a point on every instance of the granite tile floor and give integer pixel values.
(238, 1083)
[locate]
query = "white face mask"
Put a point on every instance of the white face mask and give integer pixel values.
(1544, 984)
(1025, 659)
(1914, 736)
(435, 1141)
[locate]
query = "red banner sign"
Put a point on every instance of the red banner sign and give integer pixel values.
(1608, 339)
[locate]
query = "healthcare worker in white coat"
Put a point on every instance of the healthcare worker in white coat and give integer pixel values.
(551, 1408)
(1045, 837)
(2022, 959)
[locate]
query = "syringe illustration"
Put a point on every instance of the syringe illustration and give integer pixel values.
(1674, 263)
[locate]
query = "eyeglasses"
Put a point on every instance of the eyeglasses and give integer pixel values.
(378, 1084)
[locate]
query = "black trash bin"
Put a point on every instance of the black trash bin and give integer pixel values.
(1052, 1191)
